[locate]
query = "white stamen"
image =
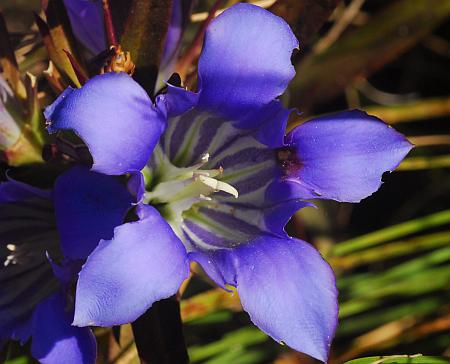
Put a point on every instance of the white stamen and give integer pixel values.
(11, 247)
(205, 198)
(218, 185)
(9, 259)
(205, 158)
(201, 173)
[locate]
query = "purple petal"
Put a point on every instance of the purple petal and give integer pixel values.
(20, 331)
(13, 191)
(269, 123)
(245, 63)
(343, 156)
(136, 186)
(66, 271)
(143, 263)
(27, 231)
(172, 43)
(286, 287)
(88, 206)
(86, 19)
(177, 100)
(55, 340)
(115, 118)
(279, 215)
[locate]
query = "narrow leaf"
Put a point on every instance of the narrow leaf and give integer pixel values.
(392, 232)
(401, 359)
(144, 37)
(359, 53)
(8, 62)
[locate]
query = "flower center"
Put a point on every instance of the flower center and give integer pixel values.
(174, 190)
(288, 160)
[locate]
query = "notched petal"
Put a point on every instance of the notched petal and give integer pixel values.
(343, 156)
(116, 119)
(285, 286)
(144, 262)
(245, 63)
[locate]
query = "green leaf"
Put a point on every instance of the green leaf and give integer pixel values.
(8, 62)
(20, 360)
(418, 163)
(382, 315)
(233, 341)
(239, 356)
(416, 110)
(424, 274)
(35, 122)
(392, 232)
(388, 34)
(57, 38)
(144, 36)
(401, 359)
(392, 250)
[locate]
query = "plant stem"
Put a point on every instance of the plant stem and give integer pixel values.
(159, 335)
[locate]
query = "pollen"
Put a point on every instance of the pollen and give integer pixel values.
(120, 62)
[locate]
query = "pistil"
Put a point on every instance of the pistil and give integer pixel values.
(194, 184)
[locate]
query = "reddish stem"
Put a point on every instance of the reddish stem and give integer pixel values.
(193, 50)
(110, 32)
(77, 68)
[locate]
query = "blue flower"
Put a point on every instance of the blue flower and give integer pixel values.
(35, 300)
(221, 181)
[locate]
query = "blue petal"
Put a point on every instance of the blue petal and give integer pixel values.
(245, 63)
(66, 272)
(86, 19)
(20, 331)
(279, 215)
(13, 191)
(343, 156)
(176, 100)
(269, 123)
(27, 231)
(115, 118)
(172, 42)
(88, 206)
(55, 340)
(143, 263)
(286, 287)
(136, 186)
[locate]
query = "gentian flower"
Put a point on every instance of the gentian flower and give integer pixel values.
(221, 181)
(35, 299)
